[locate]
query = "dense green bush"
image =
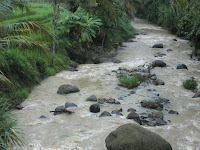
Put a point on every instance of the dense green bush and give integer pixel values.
(180, 17)
(9, 135)
(190, 84)
(131, 82)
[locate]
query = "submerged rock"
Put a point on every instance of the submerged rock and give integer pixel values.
(70, 105)
(159, 82)
(173, 112)
(105, 114)
(159, 55)
(92, 98)
(95, 108)
(117, 111)
(196, 95)
(133, 115)
(66, 89)
(69, 68)
(133, 137)
(158, 63)
(169, 50)
(59, 110)
(182, 66)
(160, 45)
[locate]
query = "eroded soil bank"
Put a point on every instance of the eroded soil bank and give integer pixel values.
(86, 131)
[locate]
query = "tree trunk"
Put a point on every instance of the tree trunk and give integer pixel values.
(54, 32)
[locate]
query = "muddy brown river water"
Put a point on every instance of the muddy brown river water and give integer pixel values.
(86, 131)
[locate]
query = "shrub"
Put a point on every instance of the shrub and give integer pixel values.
(17, 67)
(130, 82)
(9, 135)
(190, 84)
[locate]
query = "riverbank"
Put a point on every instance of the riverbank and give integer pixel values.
(86, 131)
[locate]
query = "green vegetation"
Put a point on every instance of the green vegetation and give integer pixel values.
(131, 82)
(9, 135)
(30, 50)
(181, 17)
(190, 84)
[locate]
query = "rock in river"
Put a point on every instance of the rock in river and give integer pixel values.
(133, 137)
(66, 89)
(158, 63)
(70, 105)
(92, 98)
(182, 66)
(105, 114)
(196, 95)
(160, 45)
(133, 115)
(95, 108)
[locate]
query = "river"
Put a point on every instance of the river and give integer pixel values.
(86, 131)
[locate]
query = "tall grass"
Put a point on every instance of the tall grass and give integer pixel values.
(9, 134)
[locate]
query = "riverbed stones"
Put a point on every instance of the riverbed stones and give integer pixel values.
(66, 89)
(196, 95)
(158, 63)
(159, 45)
(70, 105)
(133, 137)
(153, 119)
(133, 115)
(109, 101)
(92, 98)
(105, 114)
(154, 103)
(95, 108)
(182, 66)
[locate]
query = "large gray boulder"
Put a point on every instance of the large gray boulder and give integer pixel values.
(133, 137)
(66, 89)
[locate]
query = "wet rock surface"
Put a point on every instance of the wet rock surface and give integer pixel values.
(182, 66)
(154, 103)
(95, 108)
(105, 114)
(131, 136)
(159, 55)
(133, 115)
(173, 112)
(70, 105)
(159, 45)
(110, 101)
(67, 89)
(158, 63)
(92, 98)
(196, 95)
